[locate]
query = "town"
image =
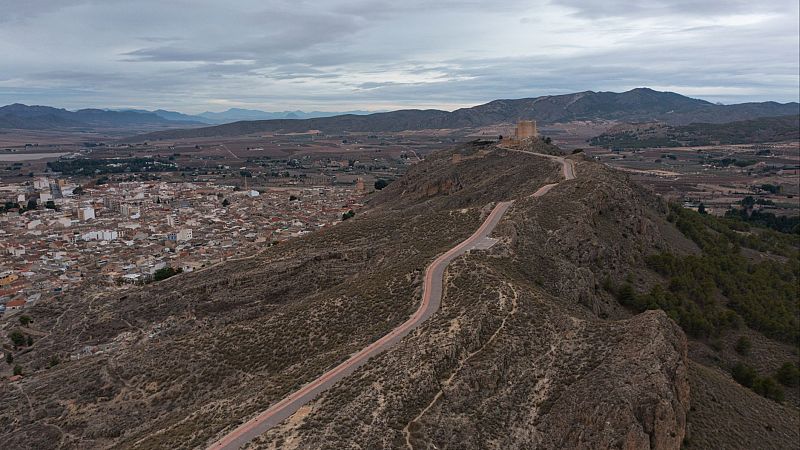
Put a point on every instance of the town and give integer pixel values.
(58, 236)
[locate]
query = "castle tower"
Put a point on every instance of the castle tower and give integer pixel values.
(526, 129)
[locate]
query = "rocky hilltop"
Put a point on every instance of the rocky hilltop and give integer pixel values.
(529, 349)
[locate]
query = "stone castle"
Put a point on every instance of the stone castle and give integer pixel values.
(526, 129)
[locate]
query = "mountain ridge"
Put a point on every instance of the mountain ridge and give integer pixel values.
(238, 114)
(636, 105)
(37, 117)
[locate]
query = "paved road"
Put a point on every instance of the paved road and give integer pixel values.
(431, 299)
(567, 165)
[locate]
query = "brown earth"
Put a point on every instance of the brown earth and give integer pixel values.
(528, 349)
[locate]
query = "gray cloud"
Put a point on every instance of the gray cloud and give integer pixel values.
(660, 8)
(195, 55)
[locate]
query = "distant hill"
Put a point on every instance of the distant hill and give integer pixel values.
(238, 114)
(765, 129)
(637, 105)
(47, 118)
(173, 115)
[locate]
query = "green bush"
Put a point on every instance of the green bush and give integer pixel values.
(769, 388)
(166, 272)
(762, 294)
(764, 386)
(744, 374)
(17, 338)
(743, 345)
(788, 375)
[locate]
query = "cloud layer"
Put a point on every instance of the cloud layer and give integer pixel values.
(194, 55)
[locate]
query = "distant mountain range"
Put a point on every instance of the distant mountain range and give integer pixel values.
(637, 105)
(239, 114)
(48, 118)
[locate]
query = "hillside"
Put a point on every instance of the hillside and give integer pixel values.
(46, 118)
(766, 129)
(238, 114)
(531, 347)
(637, 105)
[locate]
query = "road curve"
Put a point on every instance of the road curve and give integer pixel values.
(431, 299)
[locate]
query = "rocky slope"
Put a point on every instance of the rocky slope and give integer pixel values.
(766, 129)
(528, 349)
(521, 355)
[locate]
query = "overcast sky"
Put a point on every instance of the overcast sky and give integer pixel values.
(334, 55)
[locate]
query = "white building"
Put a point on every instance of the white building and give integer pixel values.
(86, 213)
(41, 183)
(129, 210)
(185, 234)
(101, 235)
(45, 197)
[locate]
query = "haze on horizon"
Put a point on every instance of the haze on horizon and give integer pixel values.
(331, 55)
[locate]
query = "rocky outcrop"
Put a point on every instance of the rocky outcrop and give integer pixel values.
(636, 397)
(504, 366)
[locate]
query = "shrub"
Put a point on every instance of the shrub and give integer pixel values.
(767, 387)
(17, 338)
(764, 386)
(744, 374)
(788, 375)
(761, 294)
(743, 345)
(17, 370)
(166, 272)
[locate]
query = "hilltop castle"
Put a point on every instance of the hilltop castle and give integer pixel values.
(525, 129)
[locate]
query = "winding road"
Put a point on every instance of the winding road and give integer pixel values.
(431, 299)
